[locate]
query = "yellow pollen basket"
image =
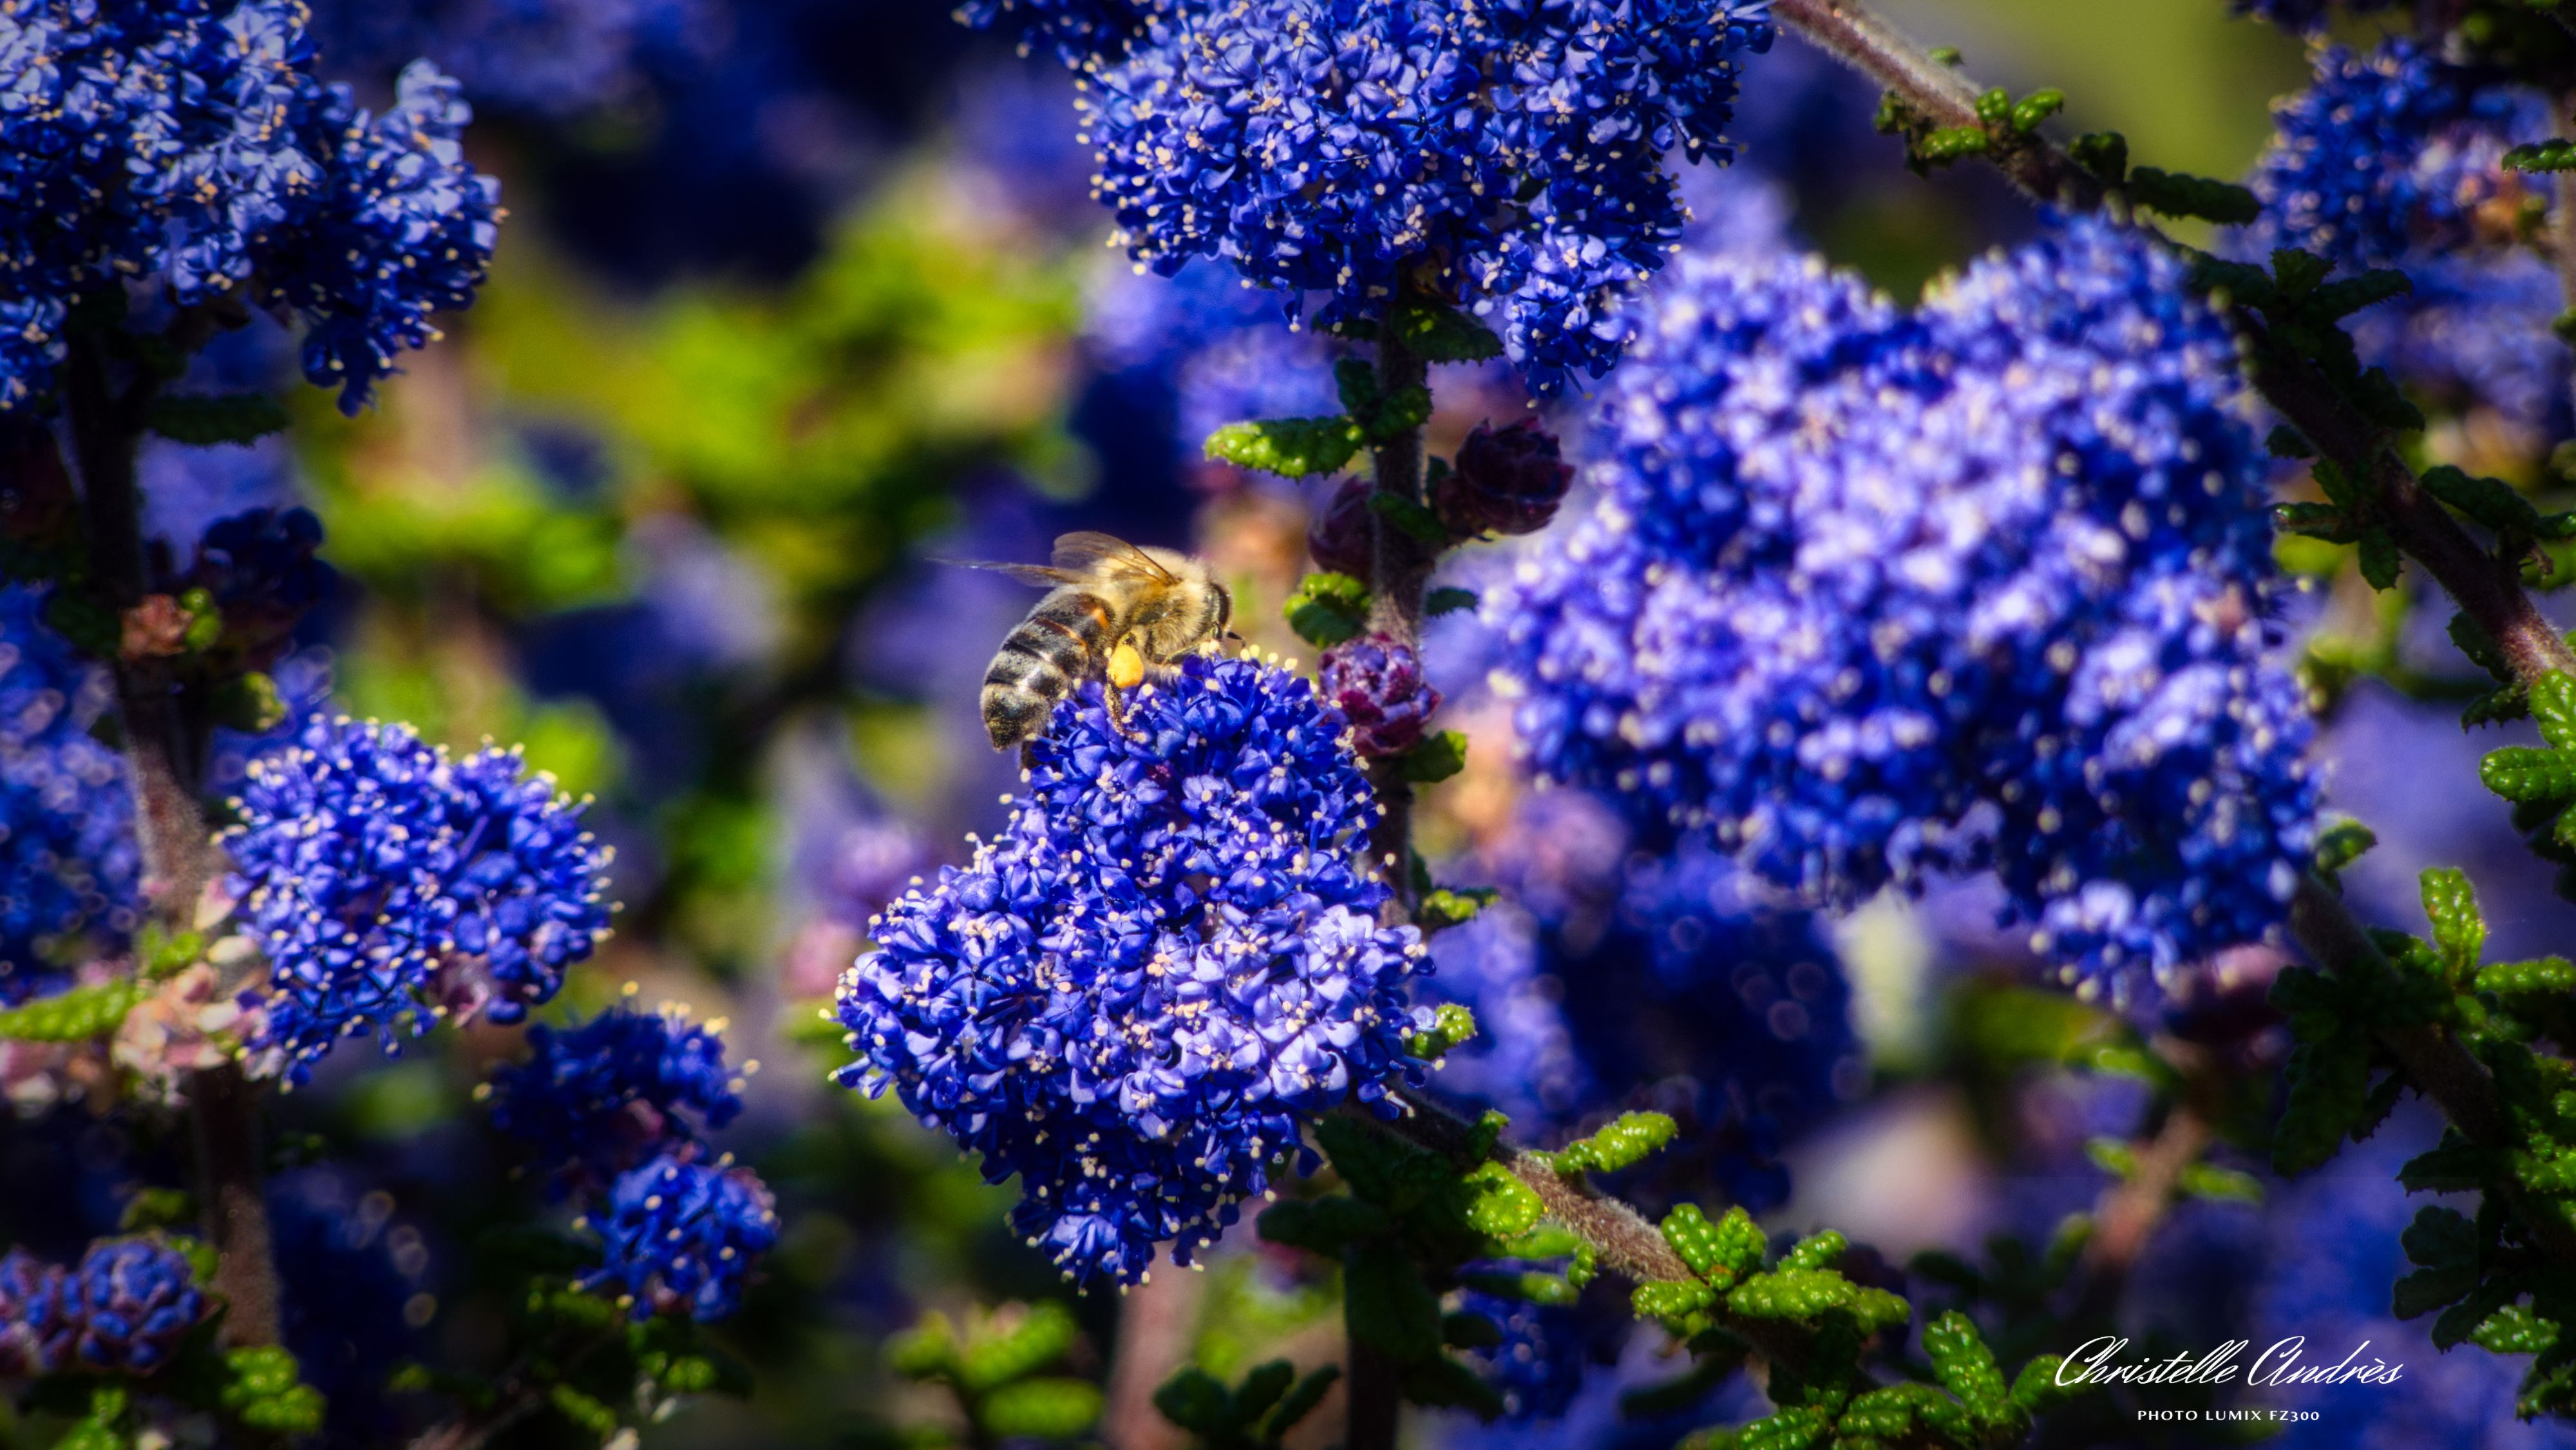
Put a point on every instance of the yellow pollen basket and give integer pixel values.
(1126, 667)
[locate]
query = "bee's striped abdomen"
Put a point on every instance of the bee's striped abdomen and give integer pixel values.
(1060, 643)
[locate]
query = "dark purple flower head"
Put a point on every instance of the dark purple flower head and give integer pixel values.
(598, 1098)
(1506, 481)
(36, 1320)
(1343, 535)
(678, 1236)
(1134, 994)
(135, 1300)
(1376, 680)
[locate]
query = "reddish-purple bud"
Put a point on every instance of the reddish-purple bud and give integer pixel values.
(1341, 538)
(1506, 481)
(1376, 680)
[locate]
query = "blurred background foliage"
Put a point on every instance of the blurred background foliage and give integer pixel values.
(793, 304)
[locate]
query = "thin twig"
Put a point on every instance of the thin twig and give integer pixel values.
(162, 752)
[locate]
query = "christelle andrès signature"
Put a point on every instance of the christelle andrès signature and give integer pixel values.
(2097, 1362)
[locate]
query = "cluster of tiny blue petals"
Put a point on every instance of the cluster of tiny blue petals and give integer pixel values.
(1077, 32)
(405, 229)
(593, 1100)
(2305, 15)
(389, 884)
(551, 58)
(1878, 595)
(1532, 1367)
(122, 1310)
(1512, 155)
(69, 870)
(2391, 151)
(1130, 995)
(678, 1236)
(193, 145)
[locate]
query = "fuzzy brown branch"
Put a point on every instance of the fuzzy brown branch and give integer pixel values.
(162, 754)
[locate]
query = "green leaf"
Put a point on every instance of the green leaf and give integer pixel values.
(926, 1350)
(1950, 143)
(2329, 1081)
(1500, 1206)
(1821, 1250)
(2515, 1329)
(2297, 273)
(2035, 1390)
(1388, 1307)
(1197, 1402)
(2380, 560)
(1289, 447)
(264, 1392)
(1046, 1331)
(2036, 107)
(1670, 1299)
(2337, 300)
(2105, 154)
(154, 1208)
(1440, 1380)
(1436, 759)
(2220, 1185)
(1327, 609)
(1792, 1294)
(203, 419)
(2549, 976)
(1262, 1386)
(2553, 709)
(2519, 773)
(1965, 1367)
(2553, 154)
(2458, 931)
(1413, 518)
(2315, 521)
(1445, 600)
(1300, 1402)
(1626, 1140)
(1443, 909)
(1720, 1252)
(2486, 500)
(1042, 1409)
(2175, 194)
(1323, 1225)
(1451, 1025)
(583, 1410)
(2113, 1157)
(74, 1016)
(1994, 106)
(2343, 843)
(1438, 333)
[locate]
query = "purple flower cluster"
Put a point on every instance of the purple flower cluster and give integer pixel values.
(593, 1100)
(1874, 596)
(1169, 954)
(1505, 481)
(678, 1236)
(2393, 159)
(70, 875)
(1376, 681)
(122, 1310)
(176, 142)
(389, 884)
(549, 58)
(1614, 977)
(609, 1107)
(1512, 158)
(2393, 151)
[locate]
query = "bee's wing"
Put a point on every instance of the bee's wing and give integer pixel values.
(1089, 552)
(1038, 574)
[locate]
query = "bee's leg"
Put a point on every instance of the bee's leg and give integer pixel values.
(1028, 755)
(1126, 671)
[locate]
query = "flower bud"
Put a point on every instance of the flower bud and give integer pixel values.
(1342, 537)
(1506, 481)
(1377, 682)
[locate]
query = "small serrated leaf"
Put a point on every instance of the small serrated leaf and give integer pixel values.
(1327, 609)
(1438, 333)
(2343, 843)
(2176, 194)
(2380, 560)
(1412, 517)
(1445, 600)
(1289, 447)
(2519, 773)
(2459, 932)
(2554, 154)
(1436, 759)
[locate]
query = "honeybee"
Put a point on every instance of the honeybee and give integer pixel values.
(1113, 611)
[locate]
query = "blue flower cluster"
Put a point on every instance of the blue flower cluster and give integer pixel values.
(389, 884)
(1169, 953)
(586, 1099)
(172, 141)
(1874, 595)
(678, 1236)
(2305, 15)
(1532, 1366)
(1616, 977)
(548, 58)
(2393, 159)
(2392, 151)
(603, 1105)
(122, 1310)
(70, 876)
(1509, 157)
(264, 571)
